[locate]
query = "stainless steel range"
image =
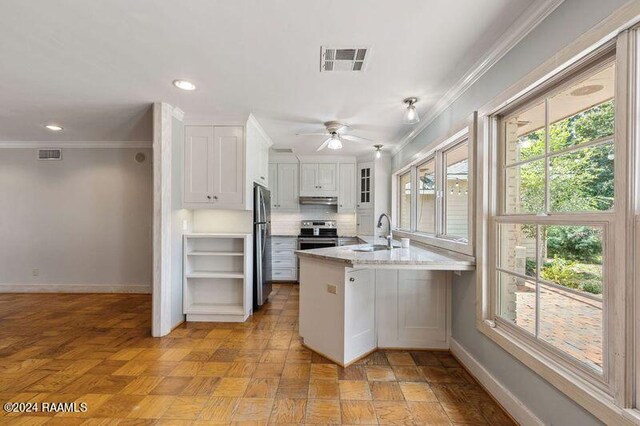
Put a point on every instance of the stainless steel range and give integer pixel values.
(317, 234)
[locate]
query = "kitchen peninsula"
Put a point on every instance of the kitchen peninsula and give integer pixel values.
(356, 299)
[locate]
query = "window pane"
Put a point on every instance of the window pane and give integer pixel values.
(525, 134)
(524, 188)
(582, 180)
(427, 197)
(572, 321)
(405, 201)
(584, 111)
(517, 248)
(457, 191)
(517, 301)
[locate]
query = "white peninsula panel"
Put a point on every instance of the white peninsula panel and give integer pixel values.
(413, 309)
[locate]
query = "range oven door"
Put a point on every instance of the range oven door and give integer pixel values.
(314, 243)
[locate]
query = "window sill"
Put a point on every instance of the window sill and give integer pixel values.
(433, 241)
(584, 393)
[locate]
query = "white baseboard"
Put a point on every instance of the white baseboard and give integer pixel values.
(509, 401)
(75, 288)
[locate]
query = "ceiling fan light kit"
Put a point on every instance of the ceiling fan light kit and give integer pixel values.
(336, 136)
(334, 142)
(411, 115)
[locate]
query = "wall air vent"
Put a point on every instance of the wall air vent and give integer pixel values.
(283, 150)
(343, 58)
(50, 154)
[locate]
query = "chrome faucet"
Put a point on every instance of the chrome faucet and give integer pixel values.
(390, 236)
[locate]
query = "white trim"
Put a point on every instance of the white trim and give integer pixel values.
(178, 113)
(525, 23)
(593, 399)
(466, 130)
(505, 398)
(74, 288)
(76, 144)
(600, 404)
(253, 120)
(161, 300)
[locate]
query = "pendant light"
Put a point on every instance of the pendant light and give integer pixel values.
(335, 142)
(378, 150)
(411, 115)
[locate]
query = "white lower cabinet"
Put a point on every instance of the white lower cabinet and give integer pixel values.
(412, 309)
(284, 264)
(345, 313)
(360, 314)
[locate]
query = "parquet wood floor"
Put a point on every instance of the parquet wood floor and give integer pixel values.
(97, 349)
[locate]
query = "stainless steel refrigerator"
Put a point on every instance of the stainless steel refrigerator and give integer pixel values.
(261, 245)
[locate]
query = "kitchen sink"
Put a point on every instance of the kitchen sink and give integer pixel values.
(373, 247)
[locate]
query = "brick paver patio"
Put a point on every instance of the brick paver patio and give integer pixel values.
(569, 322)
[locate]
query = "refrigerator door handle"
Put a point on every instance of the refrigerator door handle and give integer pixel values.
(264, 208)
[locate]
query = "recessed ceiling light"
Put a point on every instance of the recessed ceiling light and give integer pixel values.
(53, 127)
(587, 90)
(184, 85)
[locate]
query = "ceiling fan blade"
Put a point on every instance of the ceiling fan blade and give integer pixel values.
(312, 134)
(355, 138)
(324, 145)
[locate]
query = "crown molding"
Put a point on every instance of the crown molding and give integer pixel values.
(522, 26)
(178, 113)
(253, 120)
(75, 144)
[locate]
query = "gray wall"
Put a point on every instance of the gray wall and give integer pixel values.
(564, 25)
(83, 220)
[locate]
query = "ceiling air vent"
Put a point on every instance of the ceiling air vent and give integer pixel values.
(50, 154)
(343, 59)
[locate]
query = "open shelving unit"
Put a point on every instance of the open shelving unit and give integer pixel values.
(217, 277)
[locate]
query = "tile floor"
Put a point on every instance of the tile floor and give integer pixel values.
(96, 349)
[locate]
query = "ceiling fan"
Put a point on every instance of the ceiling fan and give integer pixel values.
(336, 135)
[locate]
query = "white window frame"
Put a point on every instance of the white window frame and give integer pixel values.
(614, 400)
(464, 132)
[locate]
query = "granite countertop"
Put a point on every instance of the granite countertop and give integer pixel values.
(410, 258)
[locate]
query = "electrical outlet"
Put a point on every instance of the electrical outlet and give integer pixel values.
(331, 288)
(35, 272)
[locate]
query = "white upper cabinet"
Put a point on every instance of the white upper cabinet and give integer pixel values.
(284, 186)
(214, 167)
(198, 162)
(319, 179)
(258, 143)
(365, 186)
(347, 188)
(228, 165)
(328, 177)
(364, 222)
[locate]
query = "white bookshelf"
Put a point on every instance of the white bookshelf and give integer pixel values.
(217, 277)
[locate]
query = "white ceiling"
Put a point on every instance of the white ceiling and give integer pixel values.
(94, 67)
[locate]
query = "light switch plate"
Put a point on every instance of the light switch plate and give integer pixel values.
(331, 288)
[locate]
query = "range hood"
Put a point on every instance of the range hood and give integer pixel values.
(321, 201)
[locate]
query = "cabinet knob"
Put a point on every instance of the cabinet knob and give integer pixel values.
(215, 197)
(209, 197)
(340, 205)
(352, 279)
(262, 177)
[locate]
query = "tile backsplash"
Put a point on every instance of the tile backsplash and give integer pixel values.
(289, 223)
